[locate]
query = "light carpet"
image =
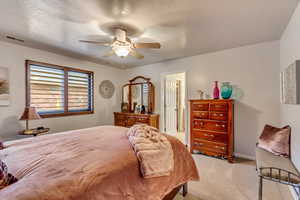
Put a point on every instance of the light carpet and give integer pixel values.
(220, 180)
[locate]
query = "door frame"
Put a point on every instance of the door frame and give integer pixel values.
(162, 102)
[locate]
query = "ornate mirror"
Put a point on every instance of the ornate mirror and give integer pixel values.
(138, 95)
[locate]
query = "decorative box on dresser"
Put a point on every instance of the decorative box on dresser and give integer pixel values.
(212, 128)
(130, 119)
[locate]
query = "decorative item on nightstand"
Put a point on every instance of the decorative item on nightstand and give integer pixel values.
(226, 90)
(216, 92)
(30, 113)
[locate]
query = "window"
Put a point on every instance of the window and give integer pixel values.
(58, 91)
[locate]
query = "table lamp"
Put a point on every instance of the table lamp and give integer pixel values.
(29, 113)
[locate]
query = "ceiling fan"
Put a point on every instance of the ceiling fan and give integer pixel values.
(122, 46)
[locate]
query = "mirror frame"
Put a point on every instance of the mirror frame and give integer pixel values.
(151, 97)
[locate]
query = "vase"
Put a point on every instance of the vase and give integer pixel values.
(216, 93)
(226, 90)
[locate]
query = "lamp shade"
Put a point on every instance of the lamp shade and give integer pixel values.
(30, 113)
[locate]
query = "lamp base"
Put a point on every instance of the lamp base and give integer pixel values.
(35, 131)
(27, 132)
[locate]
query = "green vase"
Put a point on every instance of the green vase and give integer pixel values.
(226, 90)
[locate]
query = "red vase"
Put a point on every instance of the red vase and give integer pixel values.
(216, 93)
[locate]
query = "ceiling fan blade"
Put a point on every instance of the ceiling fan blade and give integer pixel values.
(110, 53)
(136, 54)
(95, 42)
(121, 35)
(154, 45)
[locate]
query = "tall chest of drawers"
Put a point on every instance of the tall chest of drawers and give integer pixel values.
(212, 128)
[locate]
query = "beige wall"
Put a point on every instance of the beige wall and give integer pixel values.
(253, 69)
(14, 56)
(289, 53)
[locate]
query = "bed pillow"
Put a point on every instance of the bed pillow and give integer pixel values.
(5, 177)
(276, 140)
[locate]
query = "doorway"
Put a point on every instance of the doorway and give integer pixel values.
(174, 105)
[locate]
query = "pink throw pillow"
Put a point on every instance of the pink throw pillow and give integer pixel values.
(276, 140)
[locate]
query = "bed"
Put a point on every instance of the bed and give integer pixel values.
(91, 164)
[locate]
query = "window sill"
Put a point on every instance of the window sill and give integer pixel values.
(66, 114)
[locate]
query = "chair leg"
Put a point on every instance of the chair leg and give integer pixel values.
(184, 190)
(260, 189)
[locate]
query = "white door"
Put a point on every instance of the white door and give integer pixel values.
(171, 106)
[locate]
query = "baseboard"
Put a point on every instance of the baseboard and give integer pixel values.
(293, 192)
(244, 156)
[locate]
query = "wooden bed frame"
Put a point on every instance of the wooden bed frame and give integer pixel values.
(174, 192)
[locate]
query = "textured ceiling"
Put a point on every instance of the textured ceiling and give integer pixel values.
(183, 27)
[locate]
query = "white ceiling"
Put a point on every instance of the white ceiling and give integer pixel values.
(183, 27)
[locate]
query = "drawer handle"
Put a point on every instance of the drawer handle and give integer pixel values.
(196, 123)
(199, 144)
(220, 147)
(202, 114)
(220, 115)
(218, 125)
(208, 135)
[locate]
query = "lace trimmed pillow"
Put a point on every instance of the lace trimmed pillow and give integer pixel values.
(5, 177)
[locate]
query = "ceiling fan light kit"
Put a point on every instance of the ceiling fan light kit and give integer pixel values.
(122, 46)
(121, 51)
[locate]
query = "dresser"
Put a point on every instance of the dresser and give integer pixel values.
(212, 128)
(129, 119)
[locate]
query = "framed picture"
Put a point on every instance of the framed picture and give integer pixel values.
(290, 84)
(4, 87)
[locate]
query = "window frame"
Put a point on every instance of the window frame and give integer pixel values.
(66, 70)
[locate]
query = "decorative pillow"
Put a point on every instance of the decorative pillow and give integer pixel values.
(276, 140)
(1, 145)
(5, 177)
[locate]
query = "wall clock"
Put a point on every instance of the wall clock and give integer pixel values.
(106, 89)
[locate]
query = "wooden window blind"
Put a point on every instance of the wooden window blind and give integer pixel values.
(79, 91)
(57, 90)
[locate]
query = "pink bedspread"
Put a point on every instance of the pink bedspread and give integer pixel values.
(89, 164)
